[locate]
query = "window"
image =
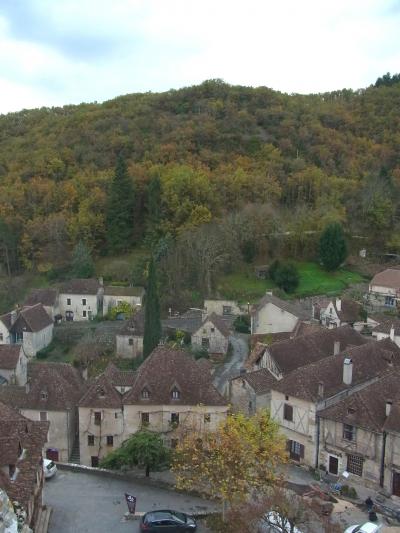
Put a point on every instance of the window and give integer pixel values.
(295, 449)
(212, 330)
(44, 395)
(175, 394)
(110, 440)
(349, 432)
(68, 301)
(130, 342)
(43, 416)
(355, 464)
(101, 392)
(286, 398)
(122, 390)
(83, 301)
(226, 310)
(97, 418)
(84, 314)
(288, 412)
(1, 336)
(145, 394)
(90, 440)
(175, 418)
(145, 418)
(207, 417)
(205, 342)
(389, 300)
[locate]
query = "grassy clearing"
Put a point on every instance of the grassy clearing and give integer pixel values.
(119, 268)
(245, 287)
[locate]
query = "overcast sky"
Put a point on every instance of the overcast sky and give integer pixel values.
(55, 52)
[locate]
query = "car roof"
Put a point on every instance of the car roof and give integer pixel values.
(161, 514)
(369, 527)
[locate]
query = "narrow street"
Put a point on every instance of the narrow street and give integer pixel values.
(231, 368)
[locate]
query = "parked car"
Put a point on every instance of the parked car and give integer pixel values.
(368, 527)
(168, 521)
(273, 522)
(49, 468)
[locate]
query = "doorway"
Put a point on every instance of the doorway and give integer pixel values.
(396, 483)
(333, 465)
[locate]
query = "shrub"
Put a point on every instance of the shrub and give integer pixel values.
(242, 324)
(287, 277)
(275, 265)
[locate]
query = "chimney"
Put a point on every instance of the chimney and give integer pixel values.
(13, 317)
(347, 371)
(336, 347)
(392, 333)
(388, 407)
(338, 304)
(320, 390)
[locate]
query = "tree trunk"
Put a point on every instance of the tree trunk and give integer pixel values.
(147, 471)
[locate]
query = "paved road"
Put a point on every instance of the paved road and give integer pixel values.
(87, 503)
(231, 368)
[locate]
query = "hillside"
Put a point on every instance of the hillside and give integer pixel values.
(215, 148)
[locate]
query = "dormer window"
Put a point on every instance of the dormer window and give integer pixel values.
(12, 472)
(101, 392)
(145, 393)
(351, 411)
(44, 395)
(175, 394)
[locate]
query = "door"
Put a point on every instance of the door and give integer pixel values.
(69, 316)
(95, 461)
(396, 483)
(295, 449)
(333, 465)
(52, 454)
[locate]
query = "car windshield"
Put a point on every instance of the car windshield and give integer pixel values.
(50, 465)
(180, 516)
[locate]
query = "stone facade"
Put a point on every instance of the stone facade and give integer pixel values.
(211, 336)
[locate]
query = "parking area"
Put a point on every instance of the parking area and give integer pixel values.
(87, 503)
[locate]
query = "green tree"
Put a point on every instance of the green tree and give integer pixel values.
(332, 247)
(287, 277)
(82, 263)
(120, 210)
(143, 449)
(152, 320)
(153, 209)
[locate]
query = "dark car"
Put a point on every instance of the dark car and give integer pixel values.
(168, 521)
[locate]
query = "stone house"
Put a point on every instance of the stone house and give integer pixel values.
(384, 289)
(297, 398)
(361, 435)
(187, 322)
(168, 394)
(273, 315)
(30, 326)
(226, 308)
(387, 328)
(251, 391)
(13, 364)
(129, 339)
(48, 298)
(212, 336)
(114, 296)
(21, 461)
(51, 394)
(81, 299)
(332, 313)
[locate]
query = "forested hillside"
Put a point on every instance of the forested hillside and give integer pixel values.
(211, 152)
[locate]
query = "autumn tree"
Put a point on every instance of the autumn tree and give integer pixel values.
(332, 247)
(120, 210)
(240, 457)
(82, 265)
(144, 449)
(152, 320)
(153, 209)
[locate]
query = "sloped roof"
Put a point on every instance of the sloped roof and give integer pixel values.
(111, 290)
(290, 307)
(370, 360)
(205, 365)
(387, 278)
(120, 378)
(9, 356)
(218, 322)
(188, 322)
(80, 286)
(392, 422)
(102, 394)
(261, 381)
(300, 351)
(133, 326)
(367, 407)
(166, 368)
(386, 325)
(35, 317)
(47, 297)
(51, 387)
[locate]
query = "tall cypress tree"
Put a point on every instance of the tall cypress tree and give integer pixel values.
(332, 246)
(120, 210)
(152, 320)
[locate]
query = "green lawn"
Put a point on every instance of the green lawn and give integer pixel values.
(245, 287)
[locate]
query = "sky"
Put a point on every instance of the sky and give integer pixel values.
(58, 52)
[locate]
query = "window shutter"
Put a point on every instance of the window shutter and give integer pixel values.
(288, 445)
(301, 451)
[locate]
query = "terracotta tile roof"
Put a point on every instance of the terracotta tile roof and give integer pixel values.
(9, 356)
(47, 297)
(101, 393)
(387, 278)
(262, 381)
(51, 387)
(120, 378)
(300, 351)
(386, 325)
(218, 322)
(31, 436)
(34, 319)
(290, 307)
(80, 286)
(133, 326)
(111, 290)
(166, 368)
(367, 407)
(205, 365)
(255, 355)
(300, 329)
(350, 310)
(370, 360)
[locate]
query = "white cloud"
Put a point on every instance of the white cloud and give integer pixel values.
(83, 50)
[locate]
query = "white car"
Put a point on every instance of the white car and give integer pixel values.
(49, 468)
(275, 523)
(368, 527)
